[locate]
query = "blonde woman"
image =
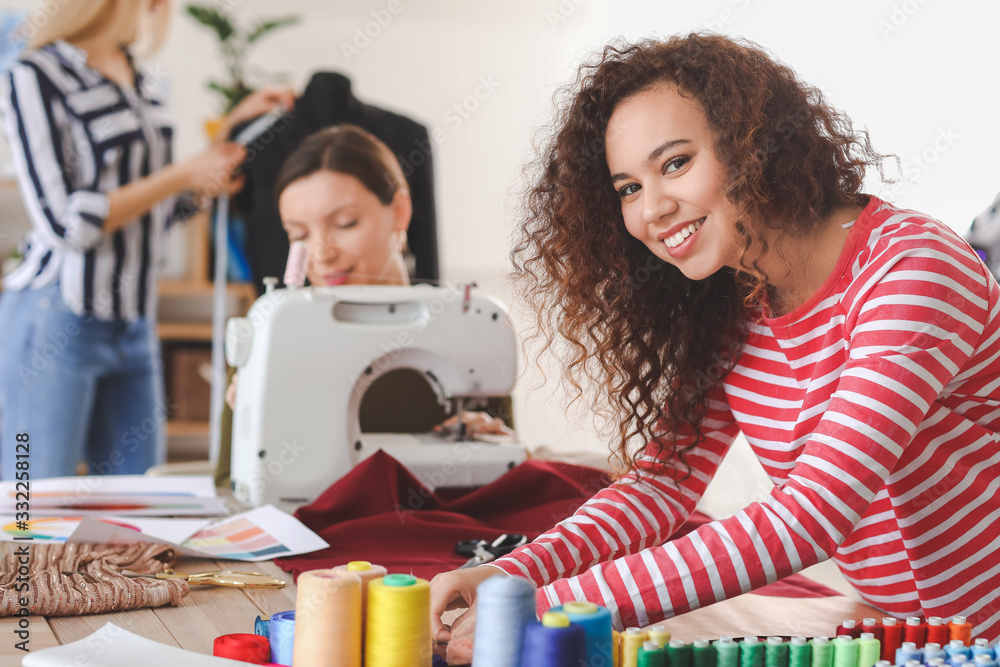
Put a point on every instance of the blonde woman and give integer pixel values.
(80, 374)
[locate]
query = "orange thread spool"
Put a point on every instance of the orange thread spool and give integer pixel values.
(960, 628)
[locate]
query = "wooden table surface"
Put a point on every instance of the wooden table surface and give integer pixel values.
(206, 613)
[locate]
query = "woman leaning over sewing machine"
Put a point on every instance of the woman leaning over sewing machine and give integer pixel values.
(343, 195)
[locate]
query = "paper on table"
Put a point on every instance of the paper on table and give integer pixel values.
(46, 530)
(259, 534)
(83, 486)
(111, 646)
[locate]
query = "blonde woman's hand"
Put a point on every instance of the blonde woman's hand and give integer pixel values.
(476, 423)
(231, 391)
(210, 173)
(255, 104)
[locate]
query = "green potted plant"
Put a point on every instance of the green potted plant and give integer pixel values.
(234, 43)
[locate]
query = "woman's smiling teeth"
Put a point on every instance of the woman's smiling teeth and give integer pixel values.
(678, 238)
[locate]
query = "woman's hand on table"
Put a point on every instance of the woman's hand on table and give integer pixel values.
(457, 590)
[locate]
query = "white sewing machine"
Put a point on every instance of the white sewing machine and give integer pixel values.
(306, 357)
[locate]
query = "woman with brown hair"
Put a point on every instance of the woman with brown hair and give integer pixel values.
(698, 234)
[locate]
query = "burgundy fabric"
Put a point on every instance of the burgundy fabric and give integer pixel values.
(381, 513)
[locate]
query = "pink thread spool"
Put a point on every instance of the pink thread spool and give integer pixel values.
(298, 262)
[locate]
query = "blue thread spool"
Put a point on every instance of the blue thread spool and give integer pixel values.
(956, 649)
(596, 622)
(555, 642)
(980, 647)
(282, 635)
(984, 660)
(908, 651)
(506, 607)
(261, 626)
(933, 650)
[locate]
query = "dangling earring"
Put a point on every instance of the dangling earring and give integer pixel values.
(402, 246)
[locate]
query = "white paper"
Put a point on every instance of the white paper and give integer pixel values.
(111, 646)
(259, 534)
(48, 530)
(84, 486)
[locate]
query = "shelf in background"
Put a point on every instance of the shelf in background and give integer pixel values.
(184, 331)
(187, 429)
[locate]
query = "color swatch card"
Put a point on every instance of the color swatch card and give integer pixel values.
(259, 534)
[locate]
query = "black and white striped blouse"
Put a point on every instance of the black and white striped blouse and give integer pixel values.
(76, 136)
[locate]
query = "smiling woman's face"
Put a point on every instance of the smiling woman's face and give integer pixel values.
(353, 238)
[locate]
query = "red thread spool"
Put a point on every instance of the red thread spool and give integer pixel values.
(892, 638)
(849, 628)
(871, 625)
(915, 631)
(960, 628)
(937, 631)
(248, 648)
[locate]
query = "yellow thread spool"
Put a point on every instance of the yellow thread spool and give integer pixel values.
(660, 635)
(615, 647)
(399, 622)
(327, 619)
(367, 573)
(631, 641)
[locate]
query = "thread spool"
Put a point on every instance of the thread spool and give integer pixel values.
(506, 607)
(980, 647)
(845, 651)
(367, 573)
(596, 622)
(799, 652)
(937, 631)
(553, 642)
(295, 267)
(751, 652)
(915, 631)
(398, 632)
(261, 626)
(822, 652)
(934, 650)
(652, 654)
(630, 642)
(776, 652)
(849, 628)
(616, 649)
(678, 653)
(327, 619)
(892, 638)
(727, 652)
(872, 625)
(660, 635)
(908, 651)
(960, 628)
(883, 663)
(242, 646)
(703, 654)
(869, 650)
(957, 647)
(984, 660)
(281, 632)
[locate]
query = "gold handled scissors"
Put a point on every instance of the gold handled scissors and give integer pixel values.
(217, 578)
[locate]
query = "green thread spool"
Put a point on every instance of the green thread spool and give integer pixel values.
(845, 652)
(678, 653)
(799, 652)
(751, 652)
(703, 654)
(651, 655)
(822, 652)
(869, 650)
(776, 652)
(727, 653)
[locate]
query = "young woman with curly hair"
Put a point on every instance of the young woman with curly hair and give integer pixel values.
(698, 235)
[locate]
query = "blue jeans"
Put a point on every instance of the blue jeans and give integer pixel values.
(81, 388)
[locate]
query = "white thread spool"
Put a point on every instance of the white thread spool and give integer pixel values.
(506, 605)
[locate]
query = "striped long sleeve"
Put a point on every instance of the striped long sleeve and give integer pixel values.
(874, 409)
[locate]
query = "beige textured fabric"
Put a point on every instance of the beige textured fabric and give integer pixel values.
(96, 585)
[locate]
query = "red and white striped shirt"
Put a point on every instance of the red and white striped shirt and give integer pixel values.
(874, 408)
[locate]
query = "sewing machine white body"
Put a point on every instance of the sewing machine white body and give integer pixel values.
(306, 357)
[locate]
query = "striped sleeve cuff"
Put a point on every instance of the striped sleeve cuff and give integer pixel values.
(87, 211)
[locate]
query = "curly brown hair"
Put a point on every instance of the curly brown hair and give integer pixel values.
(651, 341)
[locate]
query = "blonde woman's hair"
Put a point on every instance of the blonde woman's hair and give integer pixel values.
(121, 21)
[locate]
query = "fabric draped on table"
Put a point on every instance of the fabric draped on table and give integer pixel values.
(76, 578)
(380, 512)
